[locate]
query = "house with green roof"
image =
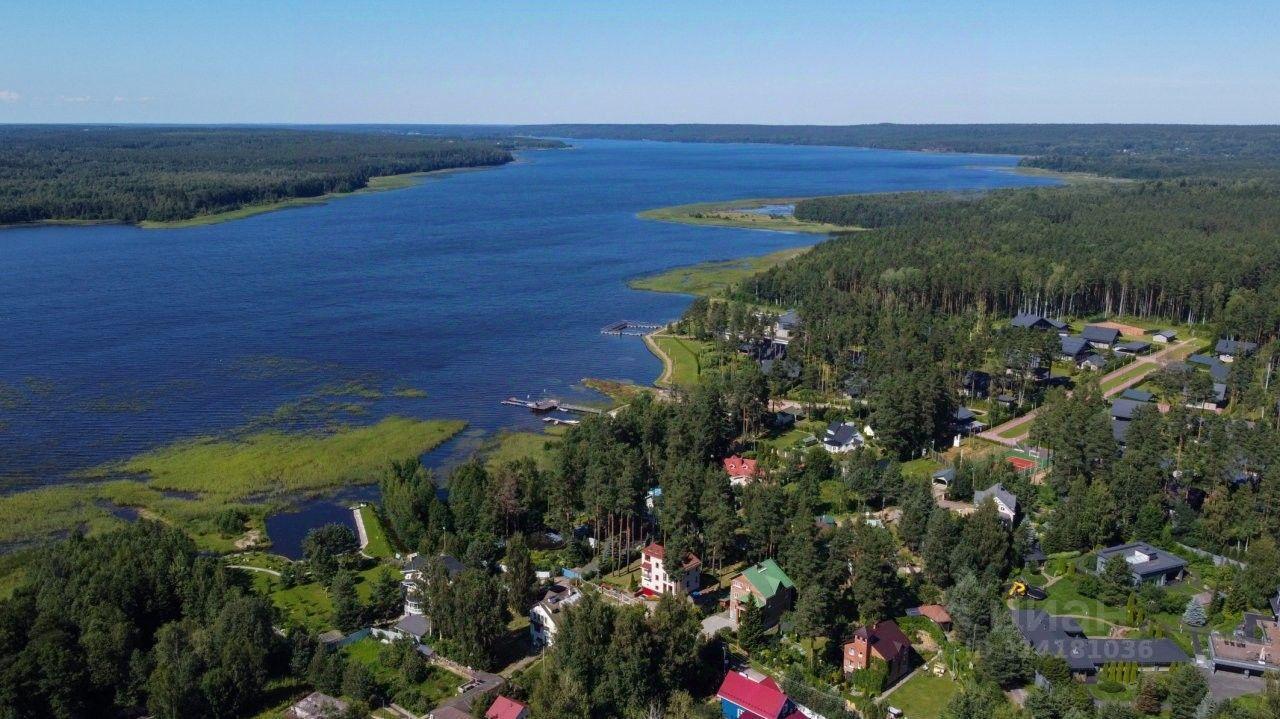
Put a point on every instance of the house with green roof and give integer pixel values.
(767, 587)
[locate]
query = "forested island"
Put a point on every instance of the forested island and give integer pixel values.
(165, 174)
(1011, 454)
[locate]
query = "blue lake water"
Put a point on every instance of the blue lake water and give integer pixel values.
(471, 287)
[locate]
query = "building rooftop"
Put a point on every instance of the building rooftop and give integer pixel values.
(842, 433)
(1062, 636)
(1137, 395)
(1073, 345)
(1234, 347)
(1143, 559)
(505, 708)
(767, 578)
(996, 491)
(1098, 333)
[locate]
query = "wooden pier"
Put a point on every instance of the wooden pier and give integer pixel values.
(630, 328)
(550, 404)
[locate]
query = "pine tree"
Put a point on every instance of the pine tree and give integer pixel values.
(347, 613)
(750, 624)
(1194, 615)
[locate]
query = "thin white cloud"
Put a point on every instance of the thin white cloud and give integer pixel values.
(119, 99)
(9, 96)
(76, 98)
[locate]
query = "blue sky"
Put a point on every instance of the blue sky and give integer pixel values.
(525, 62)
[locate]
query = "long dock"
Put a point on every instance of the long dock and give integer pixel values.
(550, 404)
(630, 328)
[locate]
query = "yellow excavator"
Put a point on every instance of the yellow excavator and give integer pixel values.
(1021, 590)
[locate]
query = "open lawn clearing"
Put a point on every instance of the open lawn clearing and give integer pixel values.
(379, 545)
(420, 697)
(685, 356)
(1133, 371)
(308, 605)
(512, 446)
(924, 695)
(712, 278)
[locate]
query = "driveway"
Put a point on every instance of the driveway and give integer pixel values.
(715, 623)
(1227, 685)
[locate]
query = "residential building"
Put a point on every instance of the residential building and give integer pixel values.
(976, 384)
(842, 437)
(937, 613)
(741, 471)
(1127, 409)
(316, 705)
(1164, 337)
(1135, 347)
(505, 708)
(1100, 336)
(1093, 362)
(884, 641)
(751, 695)
(765, 585)
(787, 326)
(1253, 648)
(1063, 637)
(1073, 347)
(965, 422)
(547, 616)
(944, 477)
(1146, 563)
(1006, 502)
(1029, 321)
(1137, 395)
(656, 578)
(1228, 350)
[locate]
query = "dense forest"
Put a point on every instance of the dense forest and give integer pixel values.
(1181, 251)
(1134, 151)
(131, 174)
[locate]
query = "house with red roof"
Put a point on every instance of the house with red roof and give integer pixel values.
(741, 471)
(656, 578)
(884, 641)
(751, 696)
(504, 708)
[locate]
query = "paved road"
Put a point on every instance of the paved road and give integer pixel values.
(1158, 360)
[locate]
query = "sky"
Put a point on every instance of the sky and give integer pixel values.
(432, 61)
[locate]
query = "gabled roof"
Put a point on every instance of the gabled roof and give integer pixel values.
(935, 612)
(1098, 333)
(767, 578)
(1062, 636)
(1073, 345)
(842, 433)
(1096, 360)
(1167, 334)
(414, 625)
(762, 698)
(1134, 346)
(789, 319)
(1126, 408)
(1137, 395)
(504, 708)
(1234, 347)
(1027, 320)
(964, 415)
(1202, 359)
(1219, 371)
(739, 467)
(885, 637)
(657, 551)
(1120, 430)
(997, 491)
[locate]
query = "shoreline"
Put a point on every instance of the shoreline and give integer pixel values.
(737, 214)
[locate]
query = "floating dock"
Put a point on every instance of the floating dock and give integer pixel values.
(628, 327)
(550, 405)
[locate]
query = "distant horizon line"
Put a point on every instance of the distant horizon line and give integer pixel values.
(106, 123)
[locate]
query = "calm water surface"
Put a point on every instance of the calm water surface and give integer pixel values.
(471, 287)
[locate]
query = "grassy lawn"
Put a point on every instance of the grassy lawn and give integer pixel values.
(1066, 599)
(379, 545)
(625, 579)
(736, 213)
(710, 278)
(1137, 369)
(685, 355)
(923, 467)
(308, 605)
(438, 686)
(924, 696)
(511, 446)
(1016, 431)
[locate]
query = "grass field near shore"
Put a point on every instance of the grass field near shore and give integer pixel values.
(739, 213)
(685, 357)
(712, 278)
(192, 484)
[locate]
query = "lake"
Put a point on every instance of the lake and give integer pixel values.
(471, 287)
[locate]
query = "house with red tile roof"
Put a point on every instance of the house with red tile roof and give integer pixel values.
(656, 578)
(741, 471)
(884, 641)
(752, 696)
(504, 708)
